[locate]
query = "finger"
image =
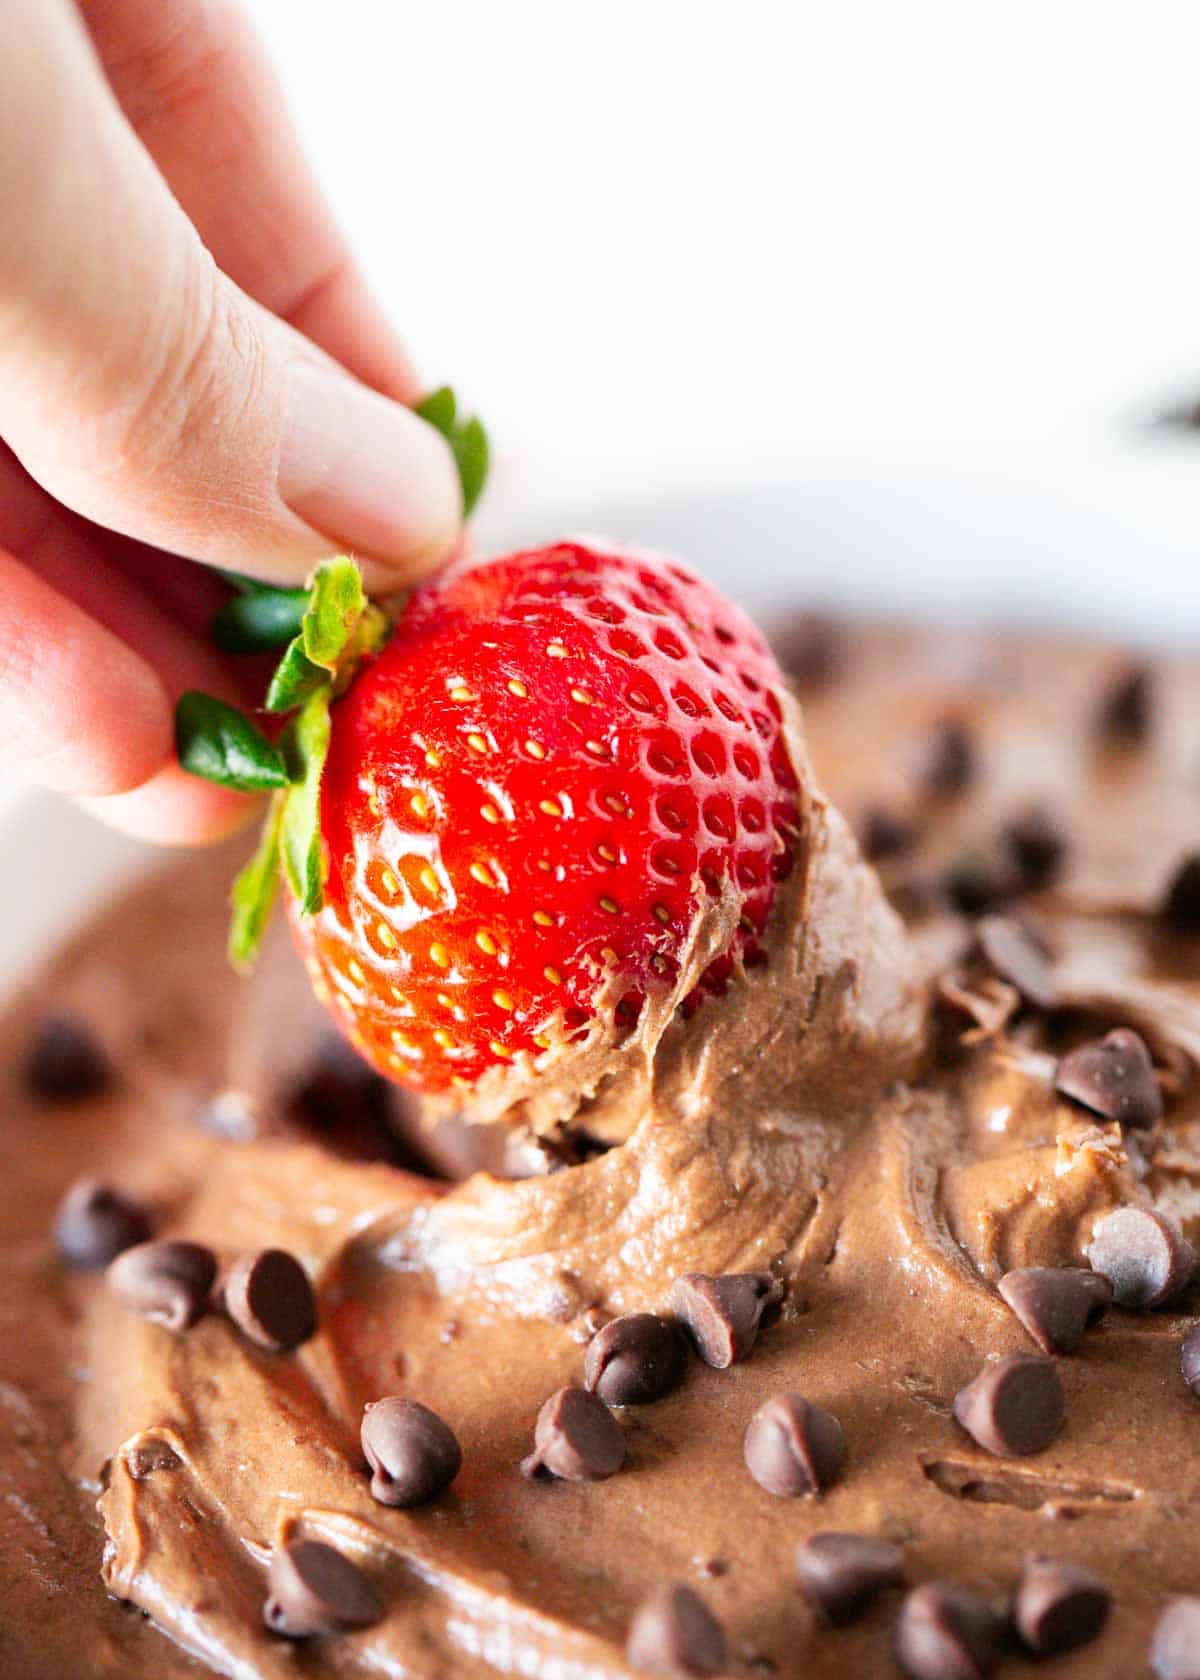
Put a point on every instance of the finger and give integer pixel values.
(145, 390)
(198, 89)
(90, 668)
(106, 579)
(80, 711)
(175, 809)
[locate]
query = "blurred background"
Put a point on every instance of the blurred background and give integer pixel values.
(935, 268)
(874, 306)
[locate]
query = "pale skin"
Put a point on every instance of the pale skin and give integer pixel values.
(191, 370)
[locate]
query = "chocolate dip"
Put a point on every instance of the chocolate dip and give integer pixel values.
(871, 1118)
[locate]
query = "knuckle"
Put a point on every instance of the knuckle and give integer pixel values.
(201, 380)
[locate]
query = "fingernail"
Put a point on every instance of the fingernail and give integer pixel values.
(366, 472)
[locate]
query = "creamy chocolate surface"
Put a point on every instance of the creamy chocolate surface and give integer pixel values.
(871, 1118)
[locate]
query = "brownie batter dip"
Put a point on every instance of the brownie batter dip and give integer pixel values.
(906, 1215)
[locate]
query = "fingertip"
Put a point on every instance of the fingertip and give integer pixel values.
(371, 476)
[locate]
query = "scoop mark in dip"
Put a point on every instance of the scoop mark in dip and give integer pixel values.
(576, 1438)
(675, 1633)
(1014, 1407)
(792, 1447)
(166, 1282)
(724, 1314)
(95, 1223)
(1056, 1304)
(1144, 1256)
(1114, 1077)
(413, 1453)
(842, 1573)
(1059, 1606)
(634, 1359)
(269, 1298)
(313, 1589)
(947, 1632)
(65, 1063)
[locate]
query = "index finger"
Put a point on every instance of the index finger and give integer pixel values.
(197, 88)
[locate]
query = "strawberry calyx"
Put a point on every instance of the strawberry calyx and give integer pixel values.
(325, 630)
(336, 630)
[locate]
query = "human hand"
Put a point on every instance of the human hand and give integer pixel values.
(190, 366)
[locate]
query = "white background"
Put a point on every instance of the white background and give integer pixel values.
(662, 242)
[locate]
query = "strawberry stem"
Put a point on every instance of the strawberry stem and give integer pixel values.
(328, 628)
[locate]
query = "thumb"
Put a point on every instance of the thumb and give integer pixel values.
(144, 390)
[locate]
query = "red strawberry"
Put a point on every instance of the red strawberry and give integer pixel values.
(553, 759)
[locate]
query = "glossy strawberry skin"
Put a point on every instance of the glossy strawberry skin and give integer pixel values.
(535, 783)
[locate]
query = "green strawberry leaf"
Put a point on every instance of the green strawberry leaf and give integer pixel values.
(467, 439)
(255, 890)
(440, 408)
(305, 744)
(259, 621)
(215, 741)
(335, 605)
(295, 679)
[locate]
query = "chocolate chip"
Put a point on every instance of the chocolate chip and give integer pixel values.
(1144, 1256)
(313, 1589)
(413, 1453)
(1036, 845)
(723, 1315)
(1113, 1076)
(946, 1632)
(975, 883)
(947, 760)
(1017, 955)
(634, 1359)
(810, 649)
(792, 1447)
(1056, 1304)
(166, 1282)
(269, 1298)
(842, 1573)
(95, 1223)
(675, 1633)
(1126, 709)
(1059, 1606)
(1189, 1359)
(1181, 906)
(1014, 1407)
(349, 1107)
(576, 1437)
(65, 1063)
(1175, 1650)
(151, 1457)
(885, 833)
